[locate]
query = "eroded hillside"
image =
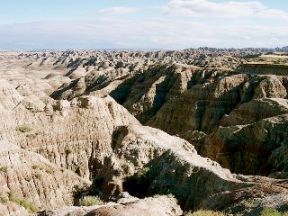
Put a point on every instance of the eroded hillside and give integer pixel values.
(204, 98)
(72, 126)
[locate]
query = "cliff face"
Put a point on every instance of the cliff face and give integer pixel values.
(191, 103)
(28, 177)
(255, 148)
(265, 68)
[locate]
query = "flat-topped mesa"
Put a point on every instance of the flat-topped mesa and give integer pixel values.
(264, 69)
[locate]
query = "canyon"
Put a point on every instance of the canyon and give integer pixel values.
(146, 133)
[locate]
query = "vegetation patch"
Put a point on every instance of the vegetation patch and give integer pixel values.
(86, 196)
(3, 169)
(46, 169)
(24, 128)
(4, 200)
(26, 204)
(270, 212)
(38, 175)
(90, 201)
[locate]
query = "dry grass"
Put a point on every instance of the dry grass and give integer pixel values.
(272, 212)
(3, 169)
(24, 128)
(25, 203)
(90, 201)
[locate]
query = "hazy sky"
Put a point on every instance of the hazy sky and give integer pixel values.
(142, 24)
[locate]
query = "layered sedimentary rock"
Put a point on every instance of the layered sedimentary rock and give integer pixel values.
(81, 138)
(27, 177)
(97, 138)
(259, 147)
(192, 102)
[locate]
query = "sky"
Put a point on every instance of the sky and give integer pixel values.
(142, 24)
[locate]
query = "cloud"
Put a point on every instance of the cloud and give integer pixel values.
(228, 9)
(112, 33)
(118, 10)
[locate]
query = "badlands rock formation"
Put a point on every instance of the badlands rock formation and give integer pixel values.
(65, 134)
(194, 95)
(159, 205)
(194, 100)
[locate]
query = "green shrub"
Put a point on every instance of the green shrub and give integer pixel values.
(270, 212)
(90, 201)
(205, 213)
(26, 204)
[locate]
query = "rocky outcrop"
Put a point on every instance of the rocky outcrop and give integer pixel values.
(254, 111)
(203, 103)
(265, 68)
(11, 208)
(193, 102)
(271, 87)
(208, 103)
(31, 180)
(256, 148)
(156, 206)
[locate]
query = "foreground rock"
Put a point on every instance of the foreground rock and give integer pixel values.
(156, 206)
(31, 180)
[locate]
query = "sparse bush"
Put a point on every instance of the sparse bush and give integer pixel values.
(24, 128)
(4, 200)
(38, 175)
(205, 213)
(35, 167)
(3, 169)
(33, 135)
(247, 204)
(28, 178)
(46, 169)
(26, 204)
(49, 170)
(90, 201)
